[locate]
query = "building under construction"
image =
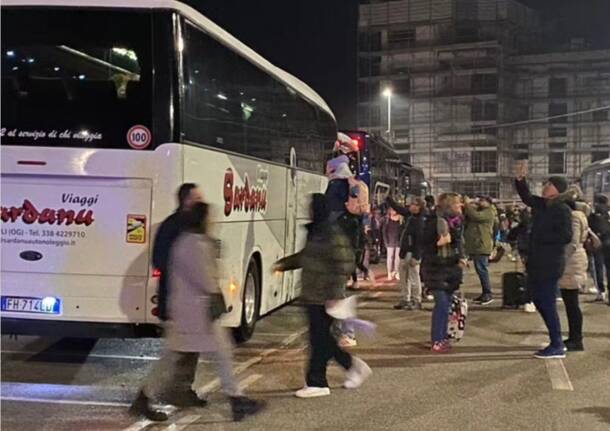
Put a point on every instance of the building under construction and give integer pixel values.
(474, 87)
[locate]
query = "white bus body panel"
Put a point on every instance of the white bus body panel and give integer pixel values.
(100, 277)
(271, 227)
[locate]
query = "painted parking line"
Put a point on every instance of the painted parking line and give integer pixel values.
(250, 380)
(560, 379)
(214, 385)
(89, 355)
(69, 402)
(182, 423)
(139, 425)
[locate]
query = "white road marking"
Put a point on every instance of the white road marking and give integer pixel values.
(560, 380)
(214, 385)
(89, 355)
(182, 423)
(139, 425)
(251, 379)
(55, 401)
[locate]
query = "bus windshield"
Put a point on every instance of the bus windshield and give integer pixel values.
(76, 78)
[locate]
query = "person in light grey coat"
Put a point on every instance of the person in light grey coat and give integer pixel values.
(191, 329)
(575, 273)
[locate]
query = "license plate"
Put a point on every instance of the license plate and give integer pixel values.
(22, 304)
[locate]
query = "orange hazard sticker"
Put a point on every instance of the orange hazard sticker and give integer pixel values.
(136, 229)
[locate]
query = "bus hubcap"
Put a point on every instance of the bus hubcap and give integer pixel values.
(250, 299)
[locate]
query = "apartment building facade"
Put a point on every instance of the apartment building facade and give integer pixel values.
(465, 89)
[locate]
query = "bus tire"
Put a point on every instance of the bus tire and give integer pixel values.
(251, 299)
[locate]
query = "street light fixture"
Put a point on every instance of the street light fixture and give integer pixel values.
(388, 93)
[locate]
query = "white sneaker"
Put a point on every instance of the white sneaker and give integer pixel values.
(529, 307)
(347, 341)
(312, 392)
(397, 276)
(593, 290)
(357, 374)
(559, 299)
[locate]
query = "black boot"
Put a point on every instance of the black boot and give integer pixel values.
(141, 406)
(574, 345)
(243, 406)
(189, 399)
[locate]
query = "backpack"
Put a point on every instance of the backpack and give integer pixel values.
(458, 312)
(358, 197)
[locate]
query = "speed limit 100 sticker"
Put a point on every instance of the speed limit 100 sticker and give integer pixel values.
(139, 137)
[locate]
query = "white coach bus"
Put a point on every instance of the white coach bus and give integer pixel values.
(107, 107)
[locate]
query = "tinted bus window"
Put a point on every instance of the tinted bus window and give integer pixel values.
(75, 78)
(231, 104)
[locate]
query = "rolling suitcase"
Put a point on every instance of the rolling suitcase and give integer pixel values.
(513, 289)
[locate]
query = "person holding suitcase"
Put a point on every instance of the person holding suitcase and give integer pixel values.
(551, 231)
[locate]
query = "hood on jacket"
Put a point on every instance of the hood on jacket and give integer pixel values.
(338, 168)
(583, 207)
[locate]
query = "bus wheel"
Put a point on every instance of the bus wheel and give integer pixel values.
(251, 304)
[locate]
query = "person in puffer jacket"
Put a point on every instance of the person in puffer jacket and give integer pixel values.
(575, 274)
(327, 261)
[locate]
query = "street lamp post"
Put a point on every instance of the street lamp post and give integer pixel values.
(388, 93)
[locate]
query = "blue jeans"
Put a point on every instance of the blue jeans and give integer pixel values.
(481, 265)
(440, 314)
(544, 292)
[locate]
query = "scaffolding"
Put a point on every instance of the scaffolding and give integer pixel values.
(457, 69)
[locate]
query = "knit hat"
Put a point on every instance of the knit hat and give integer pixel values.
(560, 183)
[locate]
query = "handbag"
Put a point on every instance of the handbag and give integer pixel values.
(593, 242)
(217, 305)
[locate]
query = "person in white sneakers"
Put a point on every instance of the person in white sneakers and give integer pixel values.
(327, 261)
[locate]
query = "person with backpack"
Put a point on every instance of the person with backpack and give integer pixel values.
(599, 221)
(348, 202)
(551, 231)
(575, 273)
(443, 260)
(410, 253)
(327, 261)
(192, 328)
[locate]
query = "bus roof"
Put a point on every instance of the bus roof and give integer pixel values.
(209, 26)
(602, 162)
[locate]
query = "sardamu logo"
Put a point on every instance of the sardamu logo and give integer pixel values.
(243, 198)
(29, 214)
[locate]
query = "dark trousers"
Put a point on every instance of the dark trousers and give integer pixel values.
(322, 347)
(544, 292)
(602, 258)
(570, 300)
(481, 265)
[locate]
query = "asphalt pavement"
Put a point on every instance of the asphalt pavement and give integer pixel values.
(489, 382)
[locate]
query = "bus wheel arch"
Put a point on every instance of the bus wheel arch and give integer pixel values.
(251, 299)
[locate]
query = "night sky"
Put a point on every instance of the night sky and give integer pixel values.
(316, 40)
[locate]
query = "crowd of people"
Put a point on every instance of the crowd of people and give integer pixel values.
(428, 242)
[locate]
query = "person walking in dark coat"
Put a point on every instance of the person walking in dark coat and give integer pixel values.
(442, 272)
(188, 194)
(410, 253)
(192, 328)
(599, 221)
(550, 233)
(327, 261)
